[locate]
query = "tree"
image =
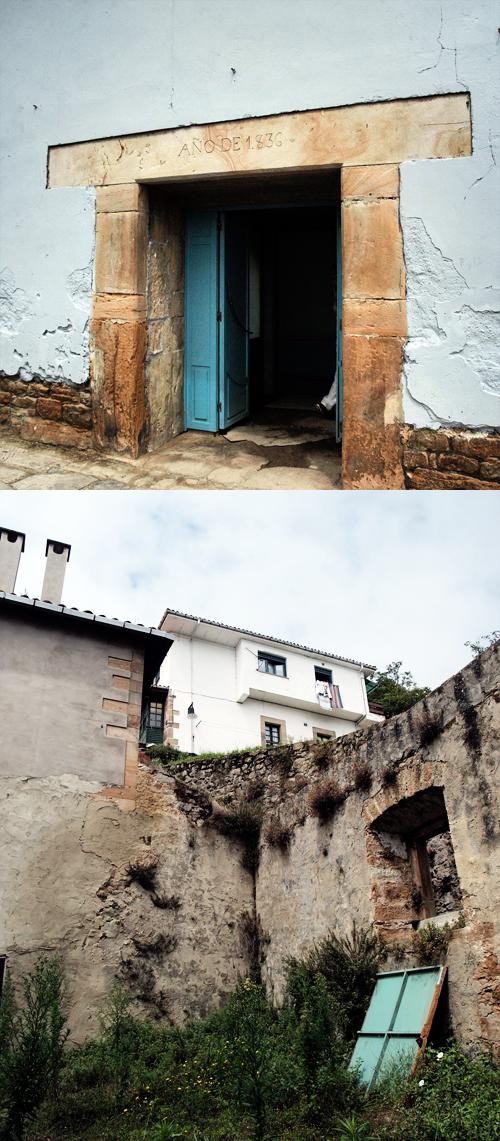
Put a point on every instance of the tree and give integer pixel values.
(483, 643)
(33, 1044)
(395, 690)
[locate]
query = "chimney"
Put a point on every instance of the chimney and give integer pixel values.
(11, 549)
(57, 555)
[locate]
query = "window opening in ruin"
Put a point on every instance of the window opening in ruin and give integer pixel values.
(272, 734)
(269, 664)
(416, 845)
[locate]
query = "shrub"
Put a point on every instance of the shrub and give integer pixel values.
(284, 756)
(453, 1097)
(166, 902)
(156, 947)
(389, 776)
(255, 790)
(430, 728)
(349, 965)
(321, 754)
(144, 873)
(34, 1039)
(243, 823)
(166, 754)
(430, 943)
(279, 835)
(325, 800)
(362, 777)
(119, 1036)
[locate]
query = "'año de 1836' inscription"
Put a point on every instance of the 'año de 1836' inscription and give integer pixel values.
(226, 143)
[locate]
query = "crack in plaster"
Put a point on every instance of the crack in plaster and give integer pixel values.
(441, 47)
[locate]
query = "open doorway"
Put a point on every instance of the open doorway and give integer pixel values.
(262, 307)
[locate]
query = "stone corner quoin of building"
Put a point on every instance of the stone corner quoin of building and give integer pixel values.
(83, 894)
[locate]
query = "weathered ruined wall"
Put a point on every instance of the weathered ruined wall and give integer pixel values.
(65, 852)
(200, 62)
(182, 960)
(337, 872)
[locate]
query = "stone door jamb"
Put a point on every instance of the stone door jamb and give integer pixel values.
(368, 142)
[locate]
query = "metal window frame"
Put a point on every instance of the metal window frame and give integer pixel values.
(266, 658)
(420, 1037)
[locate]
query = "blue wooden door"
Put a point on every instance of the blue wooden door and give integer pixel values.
(201, 325)
(233, 332)
(340, 380)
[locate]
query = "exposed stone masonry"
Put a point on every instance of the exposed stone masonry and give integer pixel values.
(451, 458)
(51, 412)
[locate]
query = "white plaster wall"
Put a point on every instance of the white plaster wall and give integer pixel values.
(74, 71)
(206, 674)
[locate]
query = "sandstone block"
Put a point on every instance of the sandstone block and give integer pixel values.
(374, 317)
(423, 480)
(120, 259)
(357, 135)
(24, 401)
(5, 397)
(370, 181)
(484, 447)
(118, 351)
(490, 470)
(120, 306)
(412, 459)
(78, 415)
(53, 432)
(371, 451)
(434, 441)
(119, 198)
(454, 462)
(372, 246)
(49, 408)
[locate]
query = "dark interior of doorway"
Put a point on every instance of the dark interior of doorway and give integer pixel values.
(292, 295)
(292, 217)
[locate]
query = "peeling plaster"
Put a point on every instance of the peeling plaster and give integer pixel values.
(327, 55)
(15, 306)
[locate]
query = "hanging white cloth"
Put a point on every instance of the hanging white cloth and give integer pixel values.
(329, 401)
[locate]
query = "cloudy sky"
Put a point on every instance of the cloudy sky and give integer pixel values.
(376, 576)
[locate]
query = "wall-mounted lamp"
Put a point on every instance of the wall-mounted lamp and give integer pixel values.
(191, 712)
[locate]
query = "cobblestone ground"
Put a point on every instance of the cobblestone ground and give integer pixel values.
(299, 455)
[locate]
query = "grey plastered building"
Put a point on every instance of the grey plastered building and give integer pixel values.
(72, 684)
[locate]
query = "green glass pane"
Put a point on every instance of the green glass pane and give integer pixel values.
(398, 1052)
(415, 1002)
(381, 1010)
(366, 1056)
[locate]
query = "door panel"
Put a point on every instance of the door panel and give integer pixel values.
(233, 331)
(340, 379)
(200, 350)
